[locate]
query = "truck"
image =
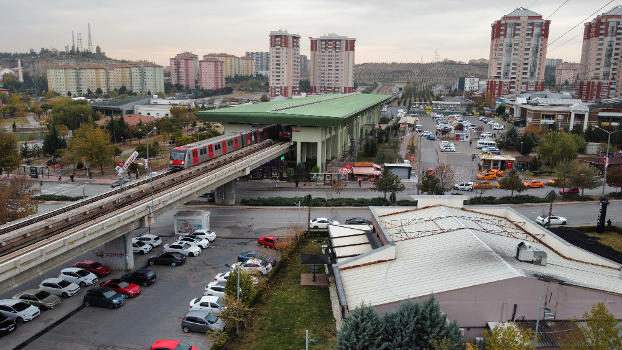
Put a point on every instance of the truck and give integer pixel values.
(188, 221)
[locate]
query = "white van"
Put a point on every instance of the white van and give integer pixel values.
(485, 143)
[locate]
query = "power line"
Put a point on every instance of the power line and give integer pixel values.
(557, 9)
(578, 24)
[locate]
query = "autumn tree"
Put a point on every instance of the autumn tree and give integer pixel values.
(9, 155)
(512, 182)
(614, 177)
(508, 336)
(93, 145)
(182, 117)
(430, 184)
(583, 176)
(563, 172)
(71, 113)
(16, 198)
(247, 286)
(338, 186)
(388, 182)
(556, 147)
(446, 177)
(601, 330)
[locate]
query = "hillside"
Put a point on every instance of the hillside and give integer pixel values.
(425, 74)
(37, 63)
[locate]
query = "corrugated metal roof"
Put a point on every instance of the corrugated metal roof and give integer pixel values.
(441, 249)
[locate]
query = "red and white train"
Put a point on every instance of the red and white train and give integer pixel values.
(198, 152)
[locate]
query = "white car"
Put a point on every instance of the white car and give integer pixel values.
(322, 223)
(215, 288)
(464, 186)
(223, 276)
(253, 266)
(210, 235)
(485, 135)
(59, 287)
(19, 310)
(182, 248)
(497, 126)
(555, 220)
(150, 239)
(209, 303)
(203, 243)
(426, 133)
(140, 247)
(78, 276)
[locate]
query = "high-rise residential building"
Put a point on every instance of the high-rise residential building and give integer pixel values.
(185, 69)
(211, 74)
(261, 61)
(63, 80)
(234, 65)
(304, 64)
(517, 59)
(600, 73)
(120, 75)
(147, 78)
(332, 64)
(554, 61)
(566, 72)
(284, 63)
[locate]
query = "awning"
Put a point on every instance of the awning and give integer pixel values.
(368, 170)
(345, 171)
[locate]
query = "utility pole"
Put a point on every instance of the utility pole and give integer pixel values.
(535, 336)
(308, 197)
(606, 161)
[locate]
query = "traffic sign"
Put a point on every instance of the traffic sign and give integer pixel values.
(130, 160)
(120, 163)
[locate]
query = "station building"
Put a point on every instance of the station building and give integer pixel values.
(323, 126)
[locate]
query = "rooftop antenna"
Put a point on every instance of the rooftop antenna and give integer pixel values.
(90, 42)
(79, 41)
(73, 40)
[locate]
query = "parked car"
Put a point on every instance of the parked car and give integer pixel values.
(242, 257)
(223, 276)
(78, 276)
(152, 240)
(202, 243)
(131, 290)
(210, 235)
(182, 248)
(418, 128)
(497, 126)
(534, 184)
(39, 298)
(464, 186)
(215, 288)
(555, 220)
(19, 310)
(120, 182)
(7, 325)
(93, 267)
(59, 287)
(252, 266)
(209, 303)
(165, 344)
(268, 241)
(485, 135)
(143, 277)
(104, 297)
(431, 137)
(209, 194)
(167, 258)
(358, 221)
(322, 223)
(141, 247)
(568, 191)
(201, 321)
(426, 133)
(482, 184)
(485, 176)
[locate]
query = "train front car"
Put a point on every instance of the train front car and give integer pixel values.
(178, 158)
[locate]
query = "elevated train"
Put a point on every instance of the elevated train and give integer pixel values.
(194, 153)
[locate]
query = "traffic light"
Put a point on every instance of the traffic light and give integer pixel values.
(282, 157)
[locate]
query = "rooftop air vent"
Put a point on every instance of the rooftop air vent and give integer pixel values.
(527, 253)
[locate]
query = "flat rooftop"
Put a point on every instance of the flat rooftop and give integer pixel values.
(318, 110)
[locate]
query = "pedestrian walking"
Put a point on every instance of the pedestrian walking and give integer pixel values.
(470, 143)
(359, 182)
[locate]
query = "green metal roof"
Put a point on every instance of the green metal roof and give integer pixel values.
(319, 110)
(116, 102)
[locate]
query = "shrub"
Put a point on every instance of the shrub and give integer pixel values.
(56, 197)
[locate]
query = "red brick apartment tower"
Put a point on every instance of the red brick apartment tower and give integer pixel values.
(284, 64)
(332, 64)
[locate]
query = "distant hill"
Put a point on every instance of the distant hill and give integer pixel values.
(426, 74)
(37, 63)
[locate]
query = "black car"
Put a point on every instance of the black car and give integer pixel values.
(119, 183)
(142, 277)
(7, 325)
(358, 221)
(104, 297)
(170, 258)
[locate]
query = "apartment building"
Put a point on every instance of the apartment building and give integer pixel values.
(600, 72)
(304, 64)
(234, 65)
(184, 69)
(517, 58)
(332, 64)
(566, 72)
(120, 75)
(147, 78)
(211, 74)
(284, 64)
(261, 61)
(63, 79)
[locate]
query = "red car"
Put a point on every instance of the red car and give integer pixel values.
(565, 192)
(120, 286)
(268, 241)
(165, 344)
(94, 267)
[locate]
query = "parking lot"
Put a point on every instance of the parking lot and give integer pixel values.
(158, 311)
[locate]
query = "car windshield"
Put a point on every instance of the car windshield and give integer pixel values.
(178, 155)
(123, 284)
(109, 294)
(219, 301)
(211, 318)
(21, 306)
(63, 284)
(95, 265)
(150, 274)
(182, 346)
(82, 273)
(42, 295)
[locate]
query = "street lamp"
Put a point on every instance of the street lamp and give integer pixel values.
(419, 161)
(150, 179)
(521, 147)
(606, 156)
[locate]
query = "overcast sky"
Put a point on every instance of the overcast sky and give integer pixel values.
(385, 31)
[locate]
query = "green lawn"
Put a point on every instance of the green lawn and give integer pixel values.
(609, 238)
(286, 309)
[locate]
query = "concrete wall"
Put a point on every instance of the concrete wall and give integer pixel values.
(472, 307)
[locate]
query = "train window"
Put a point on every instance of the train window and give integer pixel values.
(204, 150)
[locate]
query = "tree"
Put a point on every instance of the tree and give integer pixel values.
(600, 331)
(52, 141)
(446, 177)
(563, 172)
(235, 312)
(500, 110)
(264, 98)
(25, 152)
(93, 145)
(385, 156)
(9, 155)
(16, 198)
(583, 176)
(142, 149)
(98, 50)
(182, 117)
(614, 177)
(337, 187)
(509, 139)
(184, 140)
(388, 182)
(508, 336)
(359, 330)
(71, 113)
(550, 197)
(247, 287)
(556, 147)
(430, 184)
(512, 182)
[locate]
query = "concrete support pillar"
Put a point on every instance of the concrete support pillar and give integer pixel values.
(319, 153)
(571, 121)
(585, 116)
(298, 159)
(225, 194)
(117, 254)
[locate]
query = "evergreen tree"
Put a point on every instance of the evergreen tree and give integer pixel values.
(52, 141)
(433, 326)
(360, 330)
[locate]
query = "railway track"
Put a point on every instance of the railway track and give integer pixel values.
(18, 236)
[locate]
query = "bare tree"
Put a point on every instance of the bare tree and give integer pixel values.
(16, 198)
(446, 176)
